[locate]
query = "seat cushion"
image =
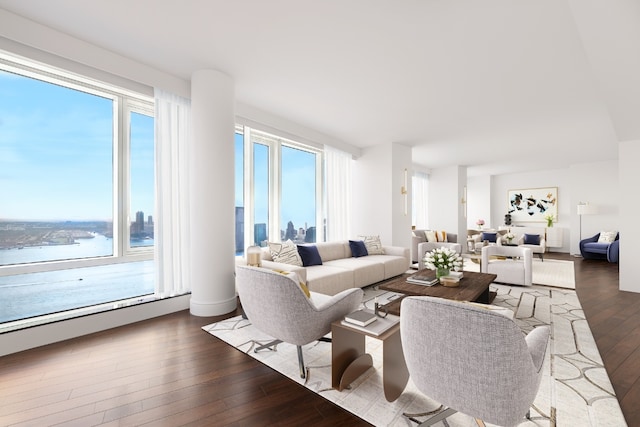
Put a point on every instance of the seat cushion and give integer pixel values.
(597, 248)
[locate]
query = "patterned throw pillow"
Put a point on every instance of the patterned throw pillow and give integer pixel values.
(441, 236)
(607, 236)
(286, 253)
(373, 245)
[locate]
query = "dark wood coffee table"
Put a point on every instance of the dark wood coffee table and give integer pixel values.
(473, 287)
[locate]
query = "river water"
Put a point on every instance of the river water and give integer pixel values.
(34, 294)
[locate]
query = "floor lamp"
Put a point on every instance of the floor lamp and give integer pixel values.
(584, 208)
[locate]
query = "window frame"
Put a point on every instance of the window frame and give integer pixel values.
(124, 102)
(275, 144)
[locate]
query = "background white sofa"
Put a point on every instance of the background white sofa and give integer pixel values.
(340, 270)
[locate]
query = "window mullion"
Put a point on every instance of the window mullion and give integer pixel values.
(275, 183)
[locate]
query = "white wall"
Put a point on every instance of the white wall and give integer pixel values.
(479, 201)
(629, 208)
(599, 184)
(378, 206)
(445, 195)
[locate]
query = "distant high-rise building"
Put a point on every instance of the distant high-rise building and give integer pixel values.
(239, 230)
(139, 221)
(150, 220)
(260, 233)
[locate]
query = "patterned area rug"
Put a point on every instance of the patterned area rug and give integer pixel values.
(550, 272)
(575, 389)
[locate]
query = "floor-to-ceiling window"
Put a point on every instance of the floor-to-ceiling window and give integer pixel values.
(282, 187)
(77, 192)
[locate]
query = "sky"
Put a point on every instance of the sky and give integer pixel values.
(56, 153)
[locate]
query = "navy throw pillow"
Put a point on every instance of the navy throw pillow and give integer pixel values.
(531, 239)
(358, 248)
(309, 255)
(491, 237)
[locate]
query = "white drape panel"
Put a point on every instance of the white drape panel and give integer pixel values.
(338, 193)
(173, 130)
(420, 200)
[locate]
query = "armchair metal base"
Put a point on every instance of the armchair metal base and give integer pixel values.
(271, 346)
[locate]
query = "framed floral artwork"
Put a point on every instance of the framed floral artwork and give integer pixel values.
(533, 204)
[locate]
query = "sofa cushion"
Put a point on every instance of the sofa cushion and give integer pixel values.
(333, 250)
(491, 237)
(531, 239)
(286, 253)
(309, 255)
(366, 270)
(373, 245)
(328, 280)
(431, 236)
(358, 248)
(607, 236)
(394, 265)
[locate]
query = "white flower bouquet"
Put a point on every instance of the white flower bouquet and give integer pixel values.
(442, 259)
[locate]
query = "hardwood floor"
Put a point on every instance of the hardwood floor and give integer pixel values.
(167, 371)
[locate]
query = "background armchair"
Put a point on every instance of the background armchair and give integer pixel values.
(276, 304)
(491, 237)
(536, 242)
(518, 271)
(490, 370)
(419, 236)
(590, 248)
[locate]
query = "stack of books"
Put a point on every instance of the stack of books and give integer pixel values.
(426, 278)
(360, 317)
(367, 321)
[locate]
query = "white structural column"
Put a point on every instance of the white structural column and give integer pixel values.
(211, 176)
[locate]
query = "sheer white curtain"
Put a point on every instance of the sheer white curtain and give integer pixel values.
(338, 193)
(420, 200)
(173, 130)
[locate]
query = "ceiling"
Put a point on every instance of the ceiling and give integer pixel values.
(496, 85)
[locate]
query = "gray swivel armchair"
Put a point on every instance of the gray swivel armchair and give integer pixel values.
(471, 360)
(276, 305)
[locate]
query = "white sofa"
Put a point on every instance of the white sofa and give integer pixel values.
(340, 270)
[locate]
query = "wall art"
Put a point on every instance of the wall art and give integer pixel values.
(533, 204)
